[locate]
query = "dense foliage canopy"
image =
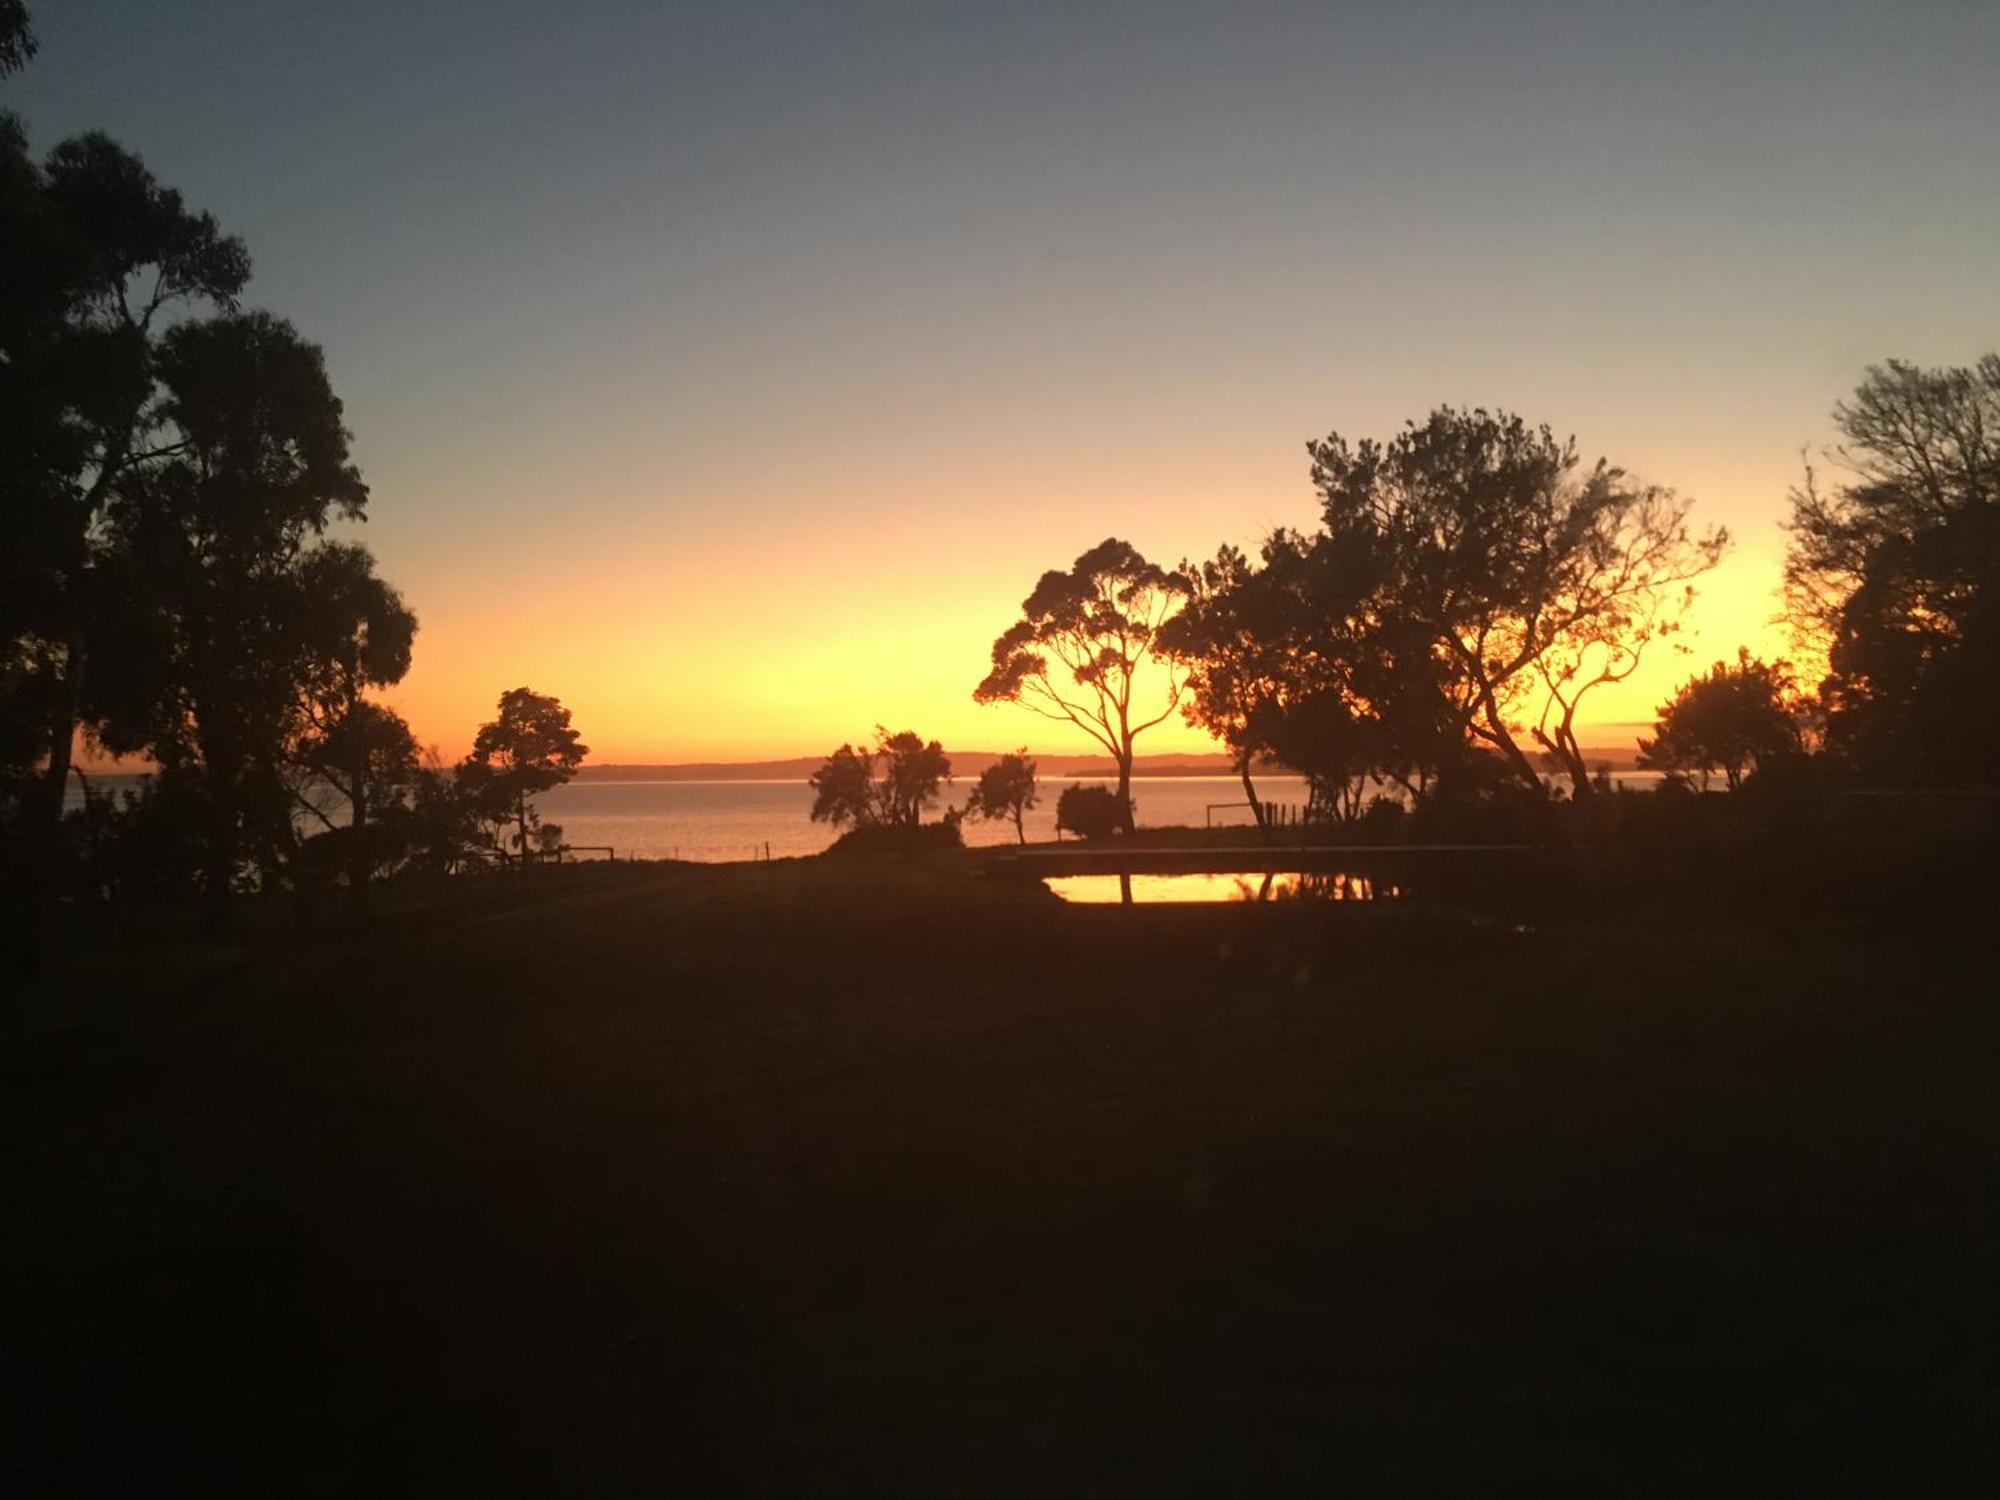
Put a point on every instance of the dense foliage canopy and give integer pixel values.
(1895, 571)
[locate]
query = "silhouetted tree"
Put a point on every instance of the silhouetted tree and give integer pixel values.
(357, 635)
(1236, 637)
(1307, 660)
(527, 748)
(1005, 789)
(440, 825)
(1527, 579)
(1896, 573)
(911, 773)
(17, 37)
(219, 616)
(1335, 749)
(368, 755)
(844, 788)
(1726, 720)
(96, 258)
(888, 786)
(1081, 644)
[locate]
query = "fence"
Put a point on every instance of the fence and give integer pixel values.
(1276, 814)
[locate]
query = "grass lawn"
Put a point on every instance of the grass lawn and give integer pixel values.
(884, 1177)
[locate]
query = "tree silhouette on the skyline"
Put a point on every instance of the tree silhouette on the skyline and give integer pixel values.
(1728, 719)
(359, 634)
(1526, 578)
(1082, 644)
(1233, 637)
(527, 747)
(1005, 789)
(96, 259)
(17, 37)
(1896, 573)
(222, 632)
(1302, 661)
(888, 786)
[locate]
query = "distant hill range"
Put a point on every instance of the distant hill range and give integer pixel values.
(1616, 752)
(966, 764)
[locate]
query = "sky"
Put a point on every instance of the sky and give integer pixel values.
(732, 371)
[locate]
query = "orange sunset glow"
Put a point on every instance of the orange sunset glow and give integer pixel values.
(752, 433)
(738, 648)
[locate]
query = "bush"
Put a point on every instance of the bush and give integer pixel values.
(1091, 812)
(1382, 821)
(899, 838)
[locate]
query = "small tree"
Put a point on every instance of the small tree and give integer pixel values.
(527, 748)
(843, 788)
(356, 633)
(912, 772)
(1081, 648)
(367, 755)
(1726, 720)
(1005, 789)
(848, 792)
(1233, 636)
(441, 822)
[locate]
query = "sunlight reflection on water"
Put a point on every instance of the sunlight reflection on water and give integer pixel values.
(1098, 890)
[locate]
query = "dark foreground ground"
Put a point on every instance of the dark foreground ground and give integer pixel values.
(879, 1178)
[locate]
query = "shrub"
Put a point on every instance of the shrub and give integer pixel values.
(1382, 821)
(1091, 812)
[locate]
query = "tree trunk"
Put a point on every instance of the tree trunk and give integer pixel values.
(45, 808)
(219, 858)
(360, 868)
(1531, 779)
(521, 822)
(1125, 790)
(1566, 750)
(1020, 832)
(1250, 791)
(1496, 732)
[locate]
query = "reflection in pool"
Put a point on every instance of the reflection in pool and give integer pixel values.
(1235, 886)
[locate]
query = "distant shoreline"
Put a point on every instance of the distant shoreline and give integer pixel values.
(964, 763)
(970, 763)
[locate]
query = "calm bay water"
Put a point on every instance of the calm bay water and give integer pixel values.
(725, 820)
(715, 821)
